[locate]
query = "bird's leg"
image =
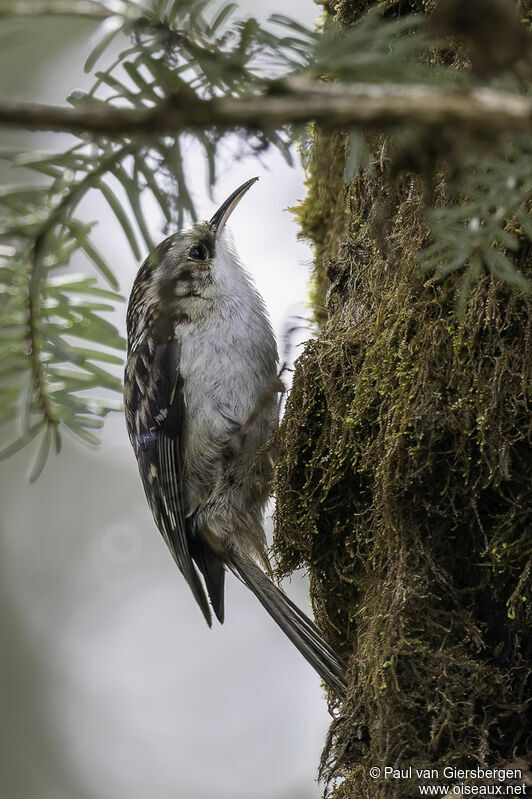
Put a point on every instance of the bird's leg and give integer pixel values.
(275, 386)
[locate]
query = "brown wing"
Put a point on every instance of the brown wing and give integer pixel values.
(153, 398)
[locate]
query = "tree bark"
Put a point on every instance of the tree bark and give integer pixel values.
(404, 484)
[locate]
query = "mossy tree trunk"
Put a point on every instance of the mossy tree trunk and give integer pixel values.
(404, 483)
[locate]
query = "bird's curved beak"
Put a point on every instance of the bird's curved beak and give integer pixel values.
(226, 209)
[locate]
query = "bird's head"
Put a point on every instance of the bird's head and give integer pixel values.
(183, 273)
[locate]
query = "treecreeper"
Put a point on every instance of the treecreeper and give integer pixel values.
(201, 401)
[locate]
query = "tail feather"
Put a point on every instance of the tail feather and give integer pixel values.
(212, 568)
(293, 622)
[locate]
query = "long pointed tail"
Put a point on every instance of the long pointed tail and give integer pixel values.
(293, 622)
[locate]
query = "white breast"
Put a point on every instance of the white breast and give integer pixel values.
(228, 359)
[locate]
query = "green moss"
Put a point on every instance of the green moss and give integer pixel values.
(321, 215)
(347, 11)
(403, 486)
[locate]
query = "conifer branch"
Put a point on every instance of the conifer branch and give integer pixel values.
(56, 216)
(296, 101)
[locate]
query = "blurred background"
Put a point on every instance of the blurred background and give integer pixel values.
(112, 684)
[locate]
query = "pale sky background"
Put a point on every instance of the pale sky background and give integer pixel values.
(114, 685)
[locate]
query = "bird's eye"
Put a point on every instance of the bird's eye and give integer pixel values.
(198, 253)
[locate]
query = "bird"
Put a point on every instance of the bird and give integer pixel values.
(201, 398)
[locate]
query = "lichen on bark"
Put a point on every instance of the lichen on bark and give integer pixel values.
(404, 487)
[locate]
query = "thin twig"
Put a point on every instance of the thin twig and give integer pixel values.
(68, 203)
(332, 105)
(41, 8)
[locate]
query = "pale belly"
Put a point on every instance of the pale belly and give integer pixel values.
(223, 385)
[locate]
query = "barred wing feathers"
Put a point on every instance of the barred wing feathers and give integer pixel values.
(154, 414)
